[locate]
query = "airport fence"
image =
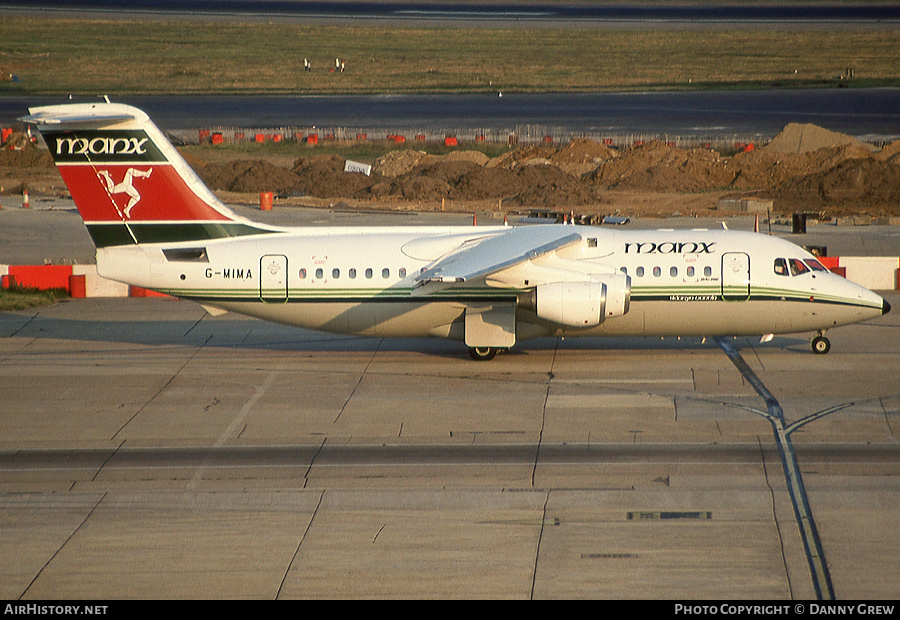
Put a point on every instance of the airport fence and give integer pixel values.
(518, 135)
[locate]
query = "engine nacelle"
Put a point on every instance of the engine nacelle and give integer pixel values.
(580, 304)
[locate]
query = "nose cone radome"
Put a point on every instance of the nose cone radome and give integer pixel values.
(885, 307)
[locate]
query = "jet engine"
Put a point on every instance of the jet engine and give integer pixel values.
(580, 304)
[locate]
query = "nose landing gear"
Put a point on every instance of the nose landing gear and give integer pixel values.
(820, 344)
(484, 354)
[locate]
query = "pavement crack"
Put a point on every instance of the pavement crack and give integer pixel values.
(161, 389)
(62, 546)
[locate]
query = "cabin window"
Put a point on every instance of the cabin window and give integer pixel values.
(657, 272)
(369, 273)
(707, 271)
(303, 274)
(335, 273)
(797, 267)
(673, 271)
(781, 267)
(690, 271)
(815, 265)
(639, 272)
(592, 242)
(624, 270)
(351, 273)
(319, 273)
(402, 272)
(385, 273)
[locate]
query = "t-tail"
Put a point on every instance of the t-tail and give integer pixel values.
(129, 183)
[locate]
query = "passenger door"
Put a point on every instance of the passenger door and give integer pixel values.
(735, 276)
(273, 278)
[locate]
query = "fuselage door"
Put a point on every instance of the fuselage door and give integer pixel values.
(735, 276)
(273, 278)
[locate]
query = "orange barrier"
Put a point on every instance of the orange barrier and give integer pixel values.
(78, 286)
(41, 277)
(265, 201)
(830, 262)
(137, 291)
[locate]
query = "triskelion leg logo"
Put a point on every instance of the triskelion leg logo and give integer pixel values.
(126, 186)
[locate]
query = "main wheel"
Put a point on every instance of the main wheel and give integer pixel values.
(820, 345)
(482, 354)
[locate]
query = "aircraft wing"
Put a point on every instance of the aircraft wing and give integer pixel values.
(482, 257)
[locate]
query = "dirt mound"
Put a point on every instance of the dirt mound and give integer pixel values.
(25, 158)
(891, 152)
(395, 163)
(520, 156)
(659, 167)
(849, 185)
(804, 167)
(248, 176)
(581, 156)
(550, 186)
(488, 184)
(803, 138)
(324, 177)
(473, 157)
(770, 169)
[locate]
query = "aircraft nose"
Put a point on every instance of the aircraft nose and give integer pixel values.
(885, 306)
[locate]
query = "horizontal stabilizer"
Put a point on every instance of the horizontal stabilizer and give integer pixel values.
(54, 118)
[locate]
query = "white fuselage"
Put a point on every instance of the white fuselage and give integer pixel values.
(362, 281)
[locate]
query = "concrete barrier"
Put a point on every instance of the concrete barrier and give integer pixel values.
(97, 286)
(78, 280)
(873, 272)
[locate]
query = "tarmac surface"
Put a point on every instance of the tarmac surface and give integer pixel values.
(149, 450)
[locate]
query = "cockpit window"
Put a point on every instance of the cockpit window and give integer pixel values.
(815, 265)
(781, 267)
(797, 267)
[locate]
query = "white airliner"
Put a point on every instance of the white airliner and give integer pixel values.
(156, 225)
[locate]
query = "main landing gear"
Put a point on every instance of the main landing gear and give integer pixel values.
(820, 344)
(484, 354)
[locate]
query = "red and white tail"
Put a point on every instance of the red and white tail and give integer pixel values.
(129, 183)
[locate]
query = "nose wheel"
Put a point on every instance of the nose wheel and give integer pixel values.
(483, 354)
(820, 345)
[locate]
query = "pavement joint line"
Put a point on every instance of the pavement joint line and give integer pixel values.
(238, 420)
(815, 554)
(162, 389)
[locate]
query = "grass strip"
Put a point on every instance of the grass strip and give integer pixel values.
(88, 57)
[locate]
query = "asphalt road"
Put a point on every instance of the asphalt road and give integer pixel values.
(867, 113)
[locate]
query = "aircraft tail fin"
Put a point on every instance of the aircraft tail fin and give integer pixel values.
(129, 183)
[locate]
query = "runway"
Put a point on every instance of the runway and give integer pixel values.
(148, 450)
